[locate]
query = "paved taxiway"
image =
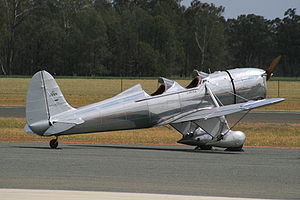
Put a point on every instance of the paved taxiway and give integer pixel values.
(257, 173)
(252, 116)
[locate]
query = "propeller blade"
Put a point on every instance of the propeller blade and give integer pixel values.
(270, 70)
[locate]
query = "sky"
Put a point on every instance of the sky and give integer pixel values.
(269, 9)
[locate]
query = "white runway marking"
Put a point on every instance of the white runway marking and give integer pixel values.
(26, 194)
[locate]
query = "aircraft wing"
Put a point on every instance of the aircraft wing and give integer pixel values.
(212, 112)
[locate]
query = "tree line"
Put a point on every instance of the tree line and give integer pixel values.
(140, 38)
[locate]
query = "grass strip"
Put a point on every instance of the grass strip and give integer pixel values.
(258, 134)
(80, 92)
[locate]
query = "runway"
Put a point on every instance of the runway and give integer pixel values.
(255, 173)
(252, 116)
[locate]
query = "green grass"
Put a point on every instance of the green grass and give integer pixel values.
(258, 134)
(285, 79)
(79, 92)
(290, 90)
(271, 134)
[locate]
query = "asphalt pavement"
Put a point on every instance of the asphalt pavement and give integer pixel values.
(255, 173)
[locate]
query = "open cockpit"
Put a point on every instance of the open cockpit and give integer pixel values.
(167, 85)
(198, 78)
(164, 85)
(161, 89)
(194, 83)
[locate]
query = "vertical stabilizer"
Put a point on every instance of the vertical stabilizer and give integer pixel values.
(44, 100)
(55, 99)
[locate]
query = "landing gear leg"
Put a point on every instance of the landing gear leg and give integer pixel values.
(203, 147)
(54, 143)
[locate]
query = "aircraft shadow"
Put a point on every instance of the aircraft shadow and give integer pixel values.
(151, 148)
(28, 147)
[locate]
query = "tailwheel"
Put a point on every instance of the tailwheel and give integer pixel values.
(53, 143)
(203, 147)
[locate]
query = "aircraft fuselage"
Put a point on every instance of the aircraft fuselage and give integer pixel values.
(135, 109)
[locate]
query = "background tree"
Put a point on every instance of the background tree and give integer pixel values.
(13, 13)
(249, 40)
(205, 38)
(139, 38)
(288, 43)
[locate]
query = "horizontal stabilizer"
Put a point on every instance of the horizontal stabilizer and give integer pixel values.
(69, 121)
(58, 128)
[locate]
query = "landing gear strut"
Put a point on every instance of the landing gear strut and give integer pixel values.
(54, 143)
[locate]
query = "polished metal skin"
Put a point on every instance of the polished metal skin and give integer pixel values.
(197, 111)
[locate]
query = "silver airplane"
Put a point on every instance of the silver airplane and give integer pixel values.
(197, 111)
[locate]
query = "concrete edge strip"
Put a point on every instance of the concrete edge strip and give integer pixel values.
(29, 194)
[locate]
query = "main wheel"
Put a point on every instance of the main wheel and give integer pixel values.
(203, 147)
(53, 143)
(234, 149)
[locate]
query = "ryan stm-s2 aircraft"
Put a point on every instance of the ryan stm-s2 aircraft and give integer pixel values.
(197, 111)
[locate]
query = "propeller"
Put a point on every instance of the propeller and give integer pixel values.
(270, 70)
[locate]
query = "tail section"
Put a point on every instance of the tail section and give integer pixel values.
(44, 100)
